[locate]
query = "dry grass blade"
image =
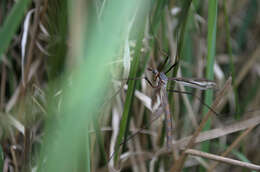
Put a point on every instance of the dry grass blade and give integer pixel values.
(14, 122)
(179, 164)
(32, 43)
(219, 132)
(13, 100)
(222, 159)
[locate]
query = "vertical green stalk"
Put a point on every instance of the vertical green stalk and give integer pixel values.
(212, 30)
(1, 157)
(11, 24)
(94, 44)
(138, 33)
(231, 61)
(100, 140)
(229, 48)
(182, 28)
(127, 106)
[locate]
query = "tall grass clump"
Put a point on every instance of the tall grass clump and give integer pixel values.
(74, 94)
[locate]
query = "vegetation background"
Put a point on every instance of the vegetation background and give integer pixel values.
(66, 103)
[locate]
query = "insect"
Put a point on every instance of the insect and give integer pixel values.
(162, 80)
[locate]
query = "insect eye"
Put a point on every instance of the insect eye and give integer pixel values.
(155, 72)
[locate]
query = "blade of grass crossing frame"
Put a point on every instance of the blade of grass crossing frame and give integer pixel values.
(159, 5)
(212, 30)
(180, 41)
(248, 19)
(182, 29)
(180, 37)
(128, 103)
(155, 22)
(11, 24)
(123, 130)
(231, 61)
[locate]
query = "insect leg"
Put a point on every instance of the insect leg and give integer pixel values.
(175, 63)
(150, 83)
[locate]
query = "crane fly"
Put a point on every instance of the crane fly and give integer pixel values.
(162, 81)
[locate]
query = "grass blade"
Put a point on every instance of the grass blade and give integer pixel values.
(89, 83)
(123, 130)
(11, 24)
(212, 31)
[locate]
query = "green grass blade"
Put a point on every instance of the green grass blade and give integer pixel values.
(231, 60)
(182, 28)
(248, 19)
(229, 48)
(157, 16)
(129, 98)
(11, 24)
(212, 31)
(84, 96)
(138, 35)
(127, 106)
(1, 157)
(100, 140)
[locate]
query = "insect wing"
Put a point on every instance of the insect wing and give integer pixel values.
(202, 84)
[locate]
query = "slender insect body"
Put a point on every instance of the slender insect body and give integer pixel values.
(196, 83)
(161, 85)
(162, 80)
(168, 117)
